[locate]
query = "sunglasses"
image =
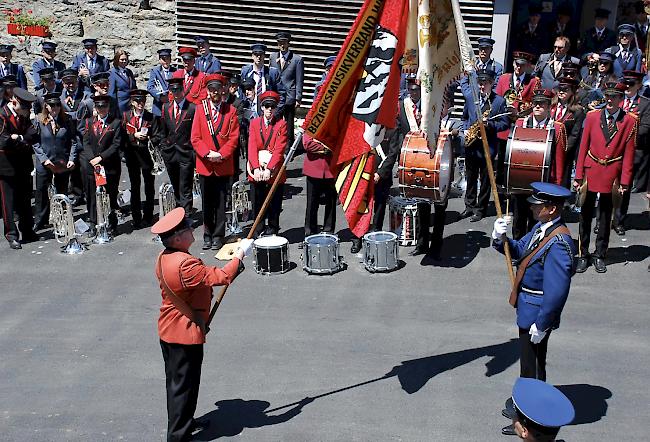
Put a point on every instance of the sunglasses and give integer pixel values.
(258, 54)
(102, 84)
(215, 88)
(540, 104)
(139, 100)
(101, 105)
(604, 62)
(54, 104)
(564, 89)
(269, 105)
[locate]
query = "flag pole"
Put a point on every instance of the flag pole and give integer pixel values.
(471, 73)
(260, 215)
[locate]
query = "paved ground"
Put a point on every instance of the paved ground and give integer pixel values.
(421, 354)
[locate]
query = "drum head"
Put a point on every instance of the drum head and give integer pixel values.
(270, 242)
(379, 236)
(446, 173)
(324, 239)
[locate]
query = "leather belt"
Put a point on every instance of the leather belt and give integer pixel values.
(604, 162)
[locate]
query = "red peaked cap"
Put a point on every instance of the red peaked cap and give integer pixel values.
(269, 96)
(170, 223)
(215, 78)
(186, 50)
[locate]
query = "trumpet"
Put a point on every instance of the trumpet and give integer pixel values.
(62, 220)
(156, 158)
(240, 204)
(103, 211)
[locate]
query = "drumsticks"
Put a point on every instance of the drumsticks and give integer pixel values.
(260, 215)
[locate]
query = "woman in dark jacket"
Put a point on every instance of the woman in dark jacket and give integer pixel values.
(121, 80)
(56, 152)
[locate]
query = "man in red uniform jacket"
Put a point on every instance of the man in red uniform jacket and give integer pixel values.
(215, 134)
(605, 161)
(193, 79)
(267, 134)
(320, 181)
(186, 289)
(523, 219)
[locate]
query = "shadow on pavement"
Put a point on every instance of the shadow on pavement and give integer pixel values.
(459, 250)
(589, 401)
(633, 253)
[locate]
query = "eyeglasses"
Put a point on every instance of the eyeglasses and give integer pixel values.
(102, 84)
(564, 89)
(540, 104)
(625, 35)
(269, 105)
(215, 88)
(54, 104)
(139, 100)
(604, 62)
(101, 105)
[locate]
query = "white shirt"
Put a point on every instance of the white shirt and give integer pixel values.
(91, 62)
(615, 114)
(541, 232)
(539, 124)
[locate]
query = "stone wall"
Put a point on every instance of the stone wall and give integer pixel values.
(140, 26)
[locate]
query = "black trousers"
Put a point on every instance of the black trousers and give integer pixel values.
(16, 194)
(41, 198)
(289, 111)
(213, 203)
(532, 360)
(136, 172)
(181, 177)
(318, 188)
(424, 218)
(272, 216)
(476, 171)
(522, 217)
(604, 219)
(382, 192)
(641, 169)
(112, 188)
(76, 182)
(183, 376)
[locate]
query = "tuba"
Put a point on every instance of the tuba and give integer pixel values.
(239, 205)
(156, 158)
(103, 211)
(62, 220)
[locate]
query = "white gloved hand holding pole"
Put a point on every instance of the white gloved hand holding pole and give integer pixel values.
(246, 245)
(500, 228)
(536, 336)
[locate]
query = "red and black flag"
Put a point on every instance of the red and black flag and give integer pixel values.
(358, 101)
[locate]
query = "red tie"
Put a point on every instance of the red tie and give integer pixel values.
(177, 113)
(417, 115)
(215, 116)
(626, 106)
(98, 127)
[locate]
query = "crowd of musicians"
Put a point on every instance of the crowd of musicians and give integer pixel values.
(90, 116)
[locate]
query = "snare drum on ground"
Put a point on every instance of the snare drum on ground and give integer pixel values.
(321, 254)
(404, 219)
(380, 251)
(271, 255)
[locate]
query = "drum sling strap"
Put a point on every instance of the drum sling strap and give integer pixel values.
(213, 132)
(178, 302)
(523, 263)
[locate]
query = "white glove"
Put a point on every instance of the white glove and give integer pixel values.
(500, 228)
(266, 175)
(257, 174)
(246, 245)
(536, 336)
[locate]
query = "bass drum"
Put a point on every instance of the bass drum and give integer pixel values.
(421, 176)
(528, 158)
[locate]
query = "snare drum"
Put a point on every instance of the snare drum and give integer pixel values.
(271, 255)
(404, 219)
(321, 254)
(380, 251)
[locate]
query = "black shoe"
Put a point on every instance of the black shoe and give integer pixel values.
(599, 265)
(509, 430)
(475, 218)
(207, 244)
(583, 264)
(356, 246)
(15, 244)
(620, 230)
(418, 251)
(30, 237)
(466, 213)
(217, 244)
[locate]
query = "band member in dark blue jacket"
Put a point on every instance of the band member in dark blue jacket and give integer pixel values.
(493, 112)
(157, 85)
(89, 63)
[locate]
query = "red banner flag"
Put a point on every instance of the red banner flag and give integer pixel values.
(358, 101)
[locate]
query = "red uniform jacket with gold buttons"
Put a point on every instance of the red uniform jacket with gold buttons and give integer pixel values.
(605, 157)
(228, 137)
(317, 161)
(192, 281)
(257, 137)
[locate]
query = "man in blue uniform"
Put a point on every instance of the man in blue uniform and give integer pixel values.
(292, 74)
(484, 60)
(47, 61)
(49, 85)
(266, 78)
(157, 85)
(545, 257)
(89, 63)
(206, 61)
(9, 68)
(539, 410)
